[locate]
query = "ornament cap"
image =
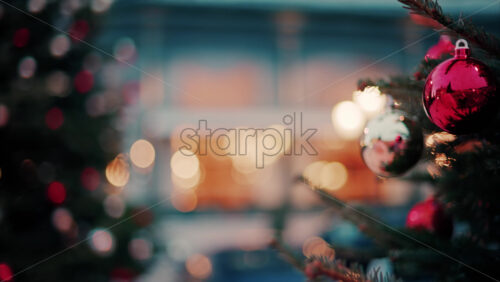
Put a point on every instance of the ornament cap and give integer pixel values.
(462, 50)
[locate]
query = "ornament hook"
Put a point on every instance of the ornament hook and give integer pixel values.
(462, 42)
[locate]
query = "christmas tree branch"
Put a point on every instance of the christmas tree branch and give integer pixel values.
(463, 28)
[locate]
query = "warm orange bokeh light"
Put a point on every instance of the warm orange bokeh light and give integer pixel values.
(118, 172)
(142, 153)
(199, 266)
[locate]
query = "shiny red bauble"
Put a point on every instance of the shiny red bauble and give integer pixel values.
(460, 93)
(430, 215)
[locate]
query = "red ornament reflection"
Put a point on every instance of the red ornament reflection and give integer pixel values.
(430, 215)
(460, 94)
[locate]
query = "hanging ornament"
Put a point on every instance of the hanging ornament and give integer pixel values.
(430, 215)
(391, 143)
(443, 47)
(460, 93)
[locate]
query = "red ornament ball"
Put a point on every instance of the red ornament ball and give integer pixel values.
(460, 93)
(430, 215)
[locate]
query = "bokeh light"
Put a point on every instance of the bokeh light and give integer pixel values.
(54, 118)
(59, 45)
(186, 183)
(56, 192)
(4, 115)
(348, 120)
(438, 138)
(333, 176)
(79, 30)
(84, 81)
(5, 272)
(118, 172)
(185, 201)
(124, 50)
(62, 220)
(184, 164)
(114, 206)
(58, 83)
(102, 241)
(27, 67)
(317, 247)
(199, 266)
(370, 100)
(142, 153)
(36, 6)
(99, 6)
(90, 178)
(21, 37)
(140, 249)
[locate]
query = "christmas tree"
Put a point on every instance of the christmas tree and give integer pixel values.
(60, 220)
(445, 115)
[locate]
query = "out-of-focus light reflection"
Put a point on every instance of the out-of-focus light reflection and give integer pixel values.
(184, 164)
(114, 206)
(56, 192)
(118, 172)
(54, 118)
(100, 6)
(102, 241)
(142, 153)
(199, 266)
(59, 45)
(317, 247)
(370, 100)
(312, 172)
(84, 81)
(333, 176)
(62, 220)
(442, 160)
(27, 67)
(140, 249)
(184, 201)
(348, 120)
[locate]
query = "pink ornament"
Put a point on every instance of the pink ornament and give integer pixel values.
(460, 93)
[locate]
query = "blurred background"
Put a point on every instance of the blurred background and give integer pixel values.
(157, 67)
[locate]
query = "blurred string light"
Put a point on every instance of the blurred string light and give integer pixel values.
(36, 6)
(90, 178)
(370, 100)
(5, 272)
(62, 220)
(199, 266)
(118, 171)
(102, 241)
(99, 6)
(187, 183)
(54, 118)
(326, 175)
(27, 67)
(184, 164)
(58, 83)
(348, 120)
(56, 192)
(59, 45)
(4, 115)
(142, 153)
(140, 249)
(114, 206)
(317, 247)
